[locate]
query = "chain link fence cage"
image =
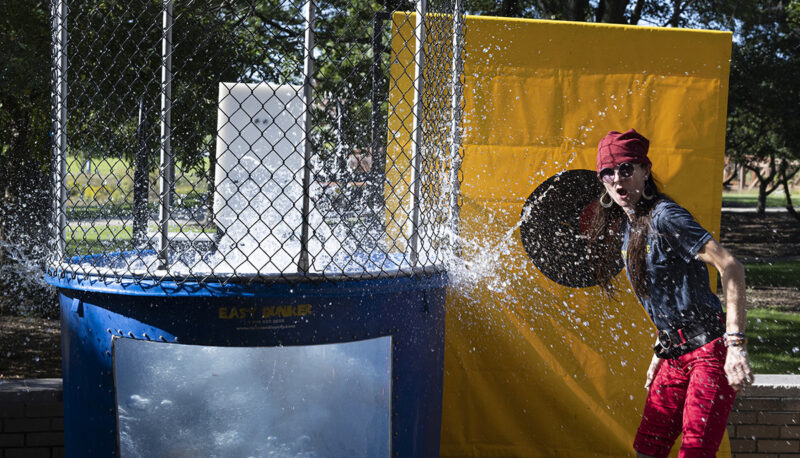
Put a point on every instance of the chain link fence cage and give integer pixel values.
(243, 140)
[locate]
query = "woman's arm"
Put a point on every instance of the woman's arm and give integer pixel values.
(737, 364)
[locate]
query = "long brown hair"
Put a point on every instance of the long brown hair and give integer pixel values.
(605, 242)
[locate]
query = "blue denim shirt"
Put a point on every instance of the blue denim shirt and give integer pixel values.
(677, 281)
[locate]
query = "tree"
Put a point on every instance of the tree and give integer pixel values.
(764, 102)
(115, 58)
(763, 117)
(24, 149)
(114, 55)
(663, 13)
(793, 112)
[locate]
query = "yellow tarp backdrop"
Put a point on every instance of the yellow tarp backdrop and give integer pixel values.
(533, 368)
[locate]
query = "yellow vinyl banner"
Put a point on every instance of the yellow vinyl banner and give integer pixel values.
(399, 151)
(537, 361)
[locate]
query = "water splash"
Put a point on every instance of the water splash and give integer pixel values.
(23, 290)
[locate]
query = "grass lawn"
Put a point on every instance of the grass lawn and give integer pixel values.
(772, 334)
(107, 183)
(773, 342)
(90, 239)
(778, 273)
(750, 198)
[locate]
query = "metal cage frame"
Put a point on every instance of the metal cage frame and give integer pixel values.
(417, 185)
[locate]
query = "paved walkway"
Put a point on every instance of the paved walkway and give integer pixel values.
(753, 209)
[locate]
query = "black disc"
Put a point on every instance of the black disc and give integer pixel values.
(554, 223)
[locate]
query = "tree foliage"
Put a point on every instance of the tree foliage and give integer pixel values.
(24, 149)
(115, 51)
(763, 116)
(24, 112)
(764, 105)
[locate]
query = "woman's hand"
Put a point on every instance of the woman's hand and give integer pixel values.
(655, 363)
(737, 368)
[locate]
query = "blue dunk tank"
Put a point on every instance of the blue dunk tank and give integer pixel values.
(250, 230)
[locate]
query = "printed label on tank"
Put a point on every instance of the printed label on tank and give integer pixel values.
(265, 317)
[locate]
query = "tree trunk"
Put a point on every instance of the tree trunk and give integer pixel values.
(727, 181)
(677, 11)
(600, 11)
(510, 8)
(613, 11)
(637, 12)
(575, 10)
(210, 177)
(141, 179)
(789, 204)
(785, 178)
(764, 182)
(761, 207)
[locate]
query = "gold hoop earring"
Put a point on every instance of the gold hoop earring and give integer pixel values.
(606, 204)
(647, 196)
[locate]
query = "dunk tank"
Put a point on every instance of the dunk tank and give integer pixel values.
(253, 207)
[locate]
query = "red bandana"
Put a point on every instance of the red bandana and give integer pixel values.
(616, 148)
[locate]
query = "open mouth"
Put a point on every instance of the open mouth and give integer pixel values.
(622, 192)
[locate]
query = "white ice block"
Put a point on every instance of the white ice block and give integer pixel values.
(259, 175)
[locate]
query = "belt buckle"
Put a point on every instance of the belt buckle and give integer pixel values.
(663, 339)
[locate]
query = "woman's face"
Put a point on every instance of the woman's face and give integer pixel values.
(625, 183)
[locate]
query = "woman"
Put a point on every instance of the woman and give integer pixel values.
(700, 359)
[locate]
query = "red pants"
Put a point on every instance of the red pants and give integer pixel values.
(689, 395)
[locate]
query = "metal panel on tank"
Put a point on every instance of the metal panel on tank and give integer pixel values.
(302, 401)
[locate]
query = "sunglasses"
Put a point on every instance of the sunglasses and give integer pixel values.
(625, 171)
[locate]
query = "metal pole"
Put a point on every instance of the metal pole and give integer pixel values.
(303, 264)
(165, 179)
(419, 86)
(455, 125)
(60, 129)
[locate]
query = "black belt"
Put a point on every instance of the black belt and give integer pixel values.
(675, 343)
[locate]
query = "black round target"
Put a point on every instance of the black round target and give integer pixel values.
(554, 224)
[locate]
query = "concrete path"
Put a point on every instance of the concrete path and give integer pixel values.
(753, 209)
